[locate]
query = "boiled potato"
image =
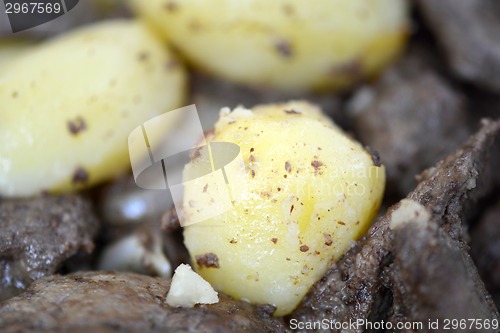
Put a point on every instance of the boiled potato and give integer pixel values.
(287, 44)
(302, 193)
(68, 105)
(12, 48)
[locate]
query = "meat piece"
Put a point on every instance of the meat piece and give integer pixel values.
(413, 118)
(360, 286)
(433, 277)
(37, 235)
(487, 105)
(485, 249)
(126, 302)
(468, 31)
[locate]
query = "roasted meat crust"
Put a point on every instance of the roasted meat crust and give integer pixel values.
(124, 302)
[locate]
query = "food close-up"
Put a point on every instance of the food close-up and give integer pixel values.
(250, 166)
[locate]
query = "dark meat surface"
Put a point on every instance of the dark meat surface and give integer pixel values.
(485, 249)
(487, 105)
(468, 31)
(37, 235)
(413, 118)
(382, 276)
(124, 302)
(428, 264)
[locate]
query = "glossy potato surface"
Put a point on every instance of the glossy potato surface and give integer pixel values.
(68, 105)
(291, 45)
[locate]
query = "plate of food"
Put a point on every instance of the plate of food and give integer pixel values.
(250, 166)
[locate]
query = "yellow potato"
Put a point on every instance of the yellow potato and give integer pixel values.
(287, 44)
(12, 48)
(302, 193)
(68, 105)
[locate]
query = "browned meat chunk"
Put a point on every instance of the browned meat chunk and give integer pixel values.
(468, 32)
(37, 235)
(124, 302)
(413, 118)
(485, 249)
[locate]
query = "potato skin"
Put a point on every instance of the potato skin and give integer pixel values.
(291, 45)
(69, 105)
(303, 194)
